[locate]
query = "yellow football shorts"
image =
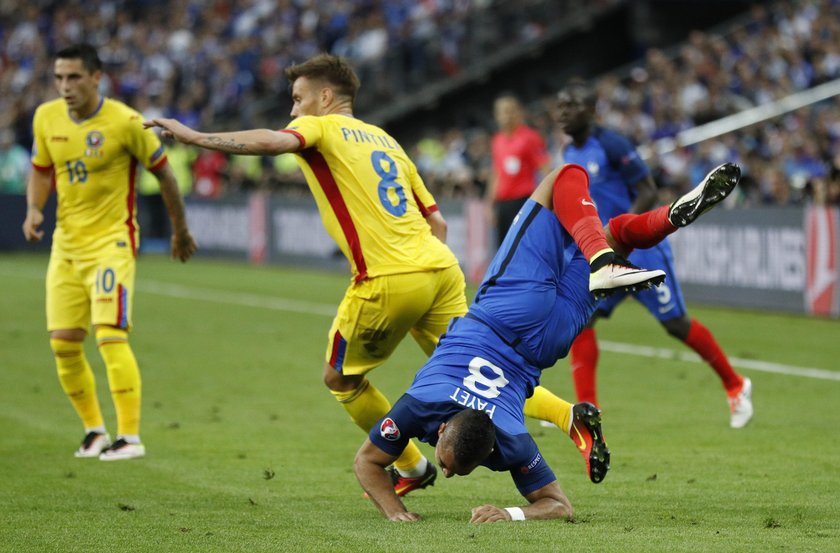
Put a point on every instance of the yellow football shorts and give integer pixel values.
(81, 292)
(377, 313)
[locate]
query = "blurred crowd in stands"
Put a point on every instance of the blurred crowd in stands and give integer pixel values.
(206, 61)
(776, 51)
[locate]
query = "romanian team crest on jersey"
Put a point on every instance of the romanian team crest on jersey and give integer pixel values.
(388, 430)
(94, 141)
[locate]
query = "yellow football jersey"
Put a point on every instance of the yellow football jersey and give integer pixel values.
(95, 169)
(371, 199)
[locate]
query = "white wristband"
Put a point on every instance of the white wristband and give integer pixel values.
(515, 513)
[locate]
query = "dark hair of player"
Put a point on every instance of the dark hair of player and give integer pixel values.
(472, 435)
(578, 90)
(335, 71)
(85, 52)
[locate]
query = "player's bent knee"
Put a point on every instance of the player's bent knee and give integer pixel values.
(69, 334)
(678, 328)
(339, 382)
(570, 171)
(69, 357)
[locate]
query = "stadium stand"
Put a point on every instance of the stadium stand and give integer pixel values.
(218, 63)
(763, 57)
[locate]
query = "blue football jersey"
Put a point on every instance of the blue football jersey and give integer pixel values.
(471, 368)
(532, 292)
(526, 313)
(614, 168)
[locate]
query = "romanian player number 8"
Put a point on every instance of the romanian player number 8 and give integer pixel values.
(388, 182)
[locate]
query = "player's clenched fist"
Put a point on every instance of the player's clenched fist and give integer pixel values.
(33, 220)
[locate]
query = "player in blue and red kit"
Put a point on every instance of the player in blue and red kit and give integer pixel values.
(468, 399)
(621, 183)
(376, 207)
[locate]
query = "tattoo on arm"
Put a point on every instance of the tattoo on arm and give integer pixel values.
(228, 145)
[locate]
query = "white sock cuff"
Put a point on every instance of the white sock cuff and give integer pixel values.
(417, 471)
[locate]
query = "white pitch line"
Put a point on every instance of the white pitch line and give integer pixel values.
(237, 298)
(328, 310)
(310, 308)
(752, 364)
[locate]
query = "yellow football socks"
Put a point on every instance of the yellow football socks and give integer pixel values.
(546, 406)
(77, 380)
(123, 378)
(408, 460)
(366, 405)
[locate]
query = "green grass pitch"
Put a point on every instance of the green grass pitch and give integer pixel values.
(248, 452)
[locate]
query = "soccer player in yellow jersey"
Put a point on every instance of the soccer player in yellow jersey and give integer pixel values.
(90, 146)
(376, 207)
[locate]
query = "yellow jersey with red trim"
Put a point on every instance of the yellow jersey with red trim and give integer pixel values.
(370, 196)
(94, 163)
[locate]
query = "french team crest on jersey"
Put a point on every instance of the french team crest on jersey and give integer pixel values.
(94, 141)
(593, 168)
(388, 430)
(626, 160)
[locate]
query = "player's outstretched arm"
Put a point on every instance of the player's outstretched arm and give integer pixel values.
(256, 142)
(546, 503)
(369, 467)
(182, 243)
(37, 192)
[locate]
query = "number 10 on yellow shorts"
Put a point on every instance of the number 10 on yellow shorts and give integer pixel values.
(81, 292)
